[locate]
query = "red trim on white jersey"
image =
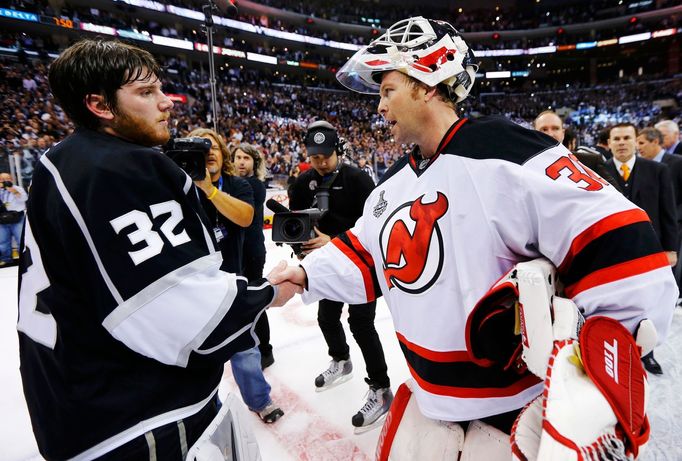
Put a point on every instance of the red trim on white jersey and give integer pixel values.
(600, 228)
(476, 393)
(435, 356)
(364, 269)
(617, 272)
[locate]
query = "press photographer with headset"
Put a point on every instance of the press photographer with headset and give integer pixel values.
(12, 205)
(347, 188)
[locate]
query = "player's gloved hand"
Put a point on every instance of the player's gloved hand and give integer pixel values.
(516, 323)
(593, 406)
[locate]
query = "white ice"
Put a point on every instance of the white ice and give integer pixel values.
(315, 426)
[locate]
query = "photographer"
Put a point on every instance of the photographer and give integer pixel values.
(229, 205)
(125, 318)
(12, 206)
(347, 188)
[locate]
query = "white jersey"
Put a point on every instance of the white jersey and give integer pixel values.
(436, 234)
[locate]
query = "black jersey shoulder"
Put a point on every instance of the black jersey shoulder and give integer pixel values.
(496, 137)
(396, 167)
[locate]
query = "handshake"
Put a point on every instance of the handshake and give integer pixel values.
(287, 281)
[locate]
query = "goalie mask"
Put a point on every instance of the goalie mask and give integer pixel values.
(430, 51)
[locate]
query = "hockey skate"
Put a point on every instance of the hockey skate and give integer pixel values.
(337, 373)
(270, 413)
(374, 410)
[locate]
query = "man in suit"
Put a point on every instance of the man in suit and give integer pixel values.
(671, 136)
(648, 185)
(650, 145)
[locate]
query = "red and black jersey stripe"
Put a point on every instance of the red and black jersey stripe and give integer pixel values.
(453, 374)
(617, 247)
(350, 246)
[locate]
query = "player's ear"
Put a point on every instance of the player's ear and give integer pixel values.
(98, 106)
(430, 93)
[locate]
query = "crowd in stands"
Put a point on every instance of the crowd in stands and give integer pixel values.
(123, 17)
(274, 115)
(470, 19)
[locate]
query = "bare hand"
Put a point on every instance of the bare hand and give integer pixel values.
(672, 257)
(315, 243)
(284, 292)
(205, 184)
(285, 273)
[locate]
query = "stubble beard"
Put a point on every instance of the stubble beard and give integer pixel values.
(140, 130)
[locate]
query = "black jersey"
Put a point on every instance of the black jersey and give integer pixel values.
(125, 318)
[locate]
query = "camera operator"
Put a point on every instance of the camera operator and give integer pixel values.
(125, 318)
(13, 204)
(229, 205)
(347, 188)
(250, 166)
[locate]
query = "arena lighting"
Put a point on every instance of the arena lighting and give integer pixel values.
(663, 33)
(133, 35)
(498, 74)
(172, 42)
(98, 29)
(585, 45)
(261, 58)
(634, 38)
(611, 41)
(150, 5)
(542, 50)
(560, 31)
(177, 97)
(496, 36)
(633, 20)
(186, 13)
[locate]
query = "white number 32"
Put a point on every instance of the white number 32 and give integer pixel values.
(143, 229)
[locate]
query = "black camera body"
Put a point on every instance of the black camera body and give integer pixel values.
(190, 155)
(7, 184)
(295, 226)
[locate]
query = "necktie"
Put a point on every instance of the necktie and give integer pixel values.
(626, 171)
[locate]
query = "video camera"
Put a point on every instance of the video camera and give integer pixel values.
(296, 227)
(190, 155)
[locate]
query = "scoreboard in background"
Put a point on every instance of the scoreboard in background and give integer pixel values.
(61, 22)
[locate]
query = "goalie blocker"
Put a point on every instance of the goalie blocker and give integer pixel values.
(593, 405)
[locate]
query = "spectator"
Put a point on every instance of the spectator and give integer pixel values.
(671, 136)
(250, 166)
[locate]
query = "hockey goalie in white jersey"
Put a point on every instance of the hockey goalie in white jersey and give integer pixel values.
(447, 222)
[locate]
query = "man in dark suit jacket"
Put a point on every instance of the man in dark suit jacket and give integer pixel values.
(648, 185)
(650, 146)
(671, 136)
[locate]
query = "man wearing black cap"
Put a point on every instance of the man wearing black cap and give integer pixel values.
(348, 188)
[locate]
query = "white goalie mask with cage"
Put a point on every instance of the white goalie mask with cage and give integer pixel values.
(430, 51)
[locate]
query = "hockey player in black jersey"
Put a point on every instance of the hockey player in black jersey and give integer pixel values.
(125, 318)
(483, 203)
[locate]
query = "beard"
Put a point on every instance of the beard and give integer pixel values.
(140, 130)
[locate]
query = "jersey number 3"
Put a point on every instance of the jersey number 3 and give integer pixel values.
(143, 229)
(576, 172)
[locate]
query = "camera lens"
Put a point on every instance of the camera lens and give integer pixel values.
(293, 228)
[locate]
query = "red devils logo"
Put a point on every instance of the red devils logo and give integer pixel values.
(412, 249)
